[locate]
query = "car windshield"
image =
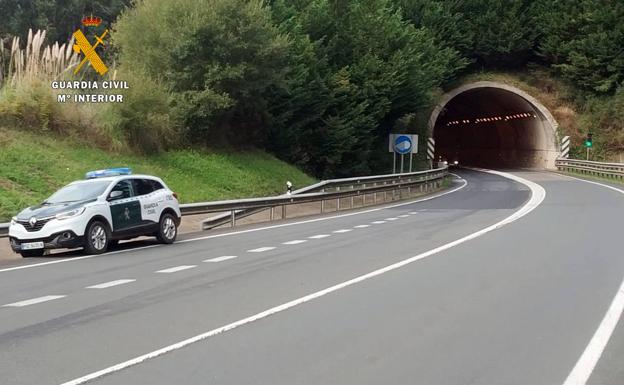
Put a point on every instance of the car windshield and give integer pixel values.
(79, 192)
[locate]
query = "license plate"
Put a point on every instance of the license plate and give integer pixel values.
(32, 245)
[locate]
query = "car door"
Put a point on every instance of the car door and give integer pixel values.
(150, 200)
(125, 208)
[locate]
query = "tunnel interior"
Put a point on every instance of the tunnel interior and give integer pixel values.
(496, 128)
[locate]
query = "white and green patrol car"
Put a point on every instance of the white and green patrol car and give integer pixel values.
(109, 206)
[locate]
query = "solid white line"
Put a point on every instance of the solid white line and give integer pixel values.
(221, 259)
(111, 284)
(378, 222)
(537, 196)
(295, 242)
(34, 301)
(342, 231)
(593, 351)
(391, 219)
(463, 181)
(361, 226)
(176, 269)
(260, 249)
(320, 236)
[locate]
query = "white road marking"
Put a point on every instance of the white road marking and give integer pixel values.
(342, 231)
(295, 242)
(403, 216)
(260, 249)
(34, 301)
(593, 351)
(378, 222)
(221, 259)
(320, 236)
(73, 259)
(176, 269)
(537, 196)
(413, 212)
(106, 285)
(361, 226)
(391, 219)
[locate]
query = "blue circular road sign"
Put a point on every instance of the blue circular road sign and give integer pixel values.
(402, 144)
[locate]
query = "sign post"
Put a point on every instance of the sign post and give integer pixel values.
(430, 150)
(565, 147)
(402, 144)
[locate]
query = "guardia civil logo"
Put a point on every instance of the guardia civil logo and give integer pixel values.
(84, 47)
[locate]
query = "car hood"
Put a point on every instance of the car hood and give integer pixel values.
(49, 210)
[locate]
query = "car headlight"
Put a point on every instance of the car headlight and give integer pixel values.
(13, 221)
(70, 214)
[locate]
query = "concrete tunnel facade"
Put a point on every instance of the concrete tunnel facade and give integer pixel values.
(492, 124)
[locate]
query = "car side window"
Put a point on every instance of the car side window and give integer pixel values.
(156, 185)
(143, 186)
(126, 188)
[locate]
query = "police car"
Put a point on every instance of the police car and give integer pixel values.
(95, 213)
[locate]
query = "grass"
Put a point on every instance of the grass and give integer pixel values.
(33, 166)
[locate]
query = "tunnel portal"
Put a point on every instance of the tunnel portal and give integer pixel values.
(494, 125)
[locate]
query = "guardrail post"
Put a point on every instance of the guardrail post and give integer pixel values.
(322, 202)
(283, 211)
(272, 215)
(338, 200)
(233, 218)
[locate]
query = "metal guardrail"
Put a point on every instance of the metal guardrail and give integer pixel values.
(323, 186)
(320, 192)
(334, 189)
(606, 170)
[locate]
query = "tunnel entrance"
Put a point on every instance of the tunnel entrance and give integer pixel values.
(494, 125)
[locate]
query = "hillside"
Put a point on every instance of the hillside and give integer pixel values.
(33, 166)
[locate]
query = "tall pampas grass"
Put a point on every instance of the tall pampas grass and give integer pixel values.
(37, 61)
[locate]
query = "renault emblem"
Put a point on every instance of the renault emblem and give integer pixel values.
(32, 221)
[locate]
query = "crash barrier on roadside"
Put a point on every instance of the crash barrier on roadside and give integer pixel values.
(586, 167)
(377, 188)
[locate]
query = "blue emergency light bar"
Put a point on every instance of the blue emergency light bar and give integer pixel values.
(108, 172)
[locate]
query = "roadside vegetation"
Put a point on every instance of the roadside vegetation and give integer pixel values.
(34, 166)
(318, 83)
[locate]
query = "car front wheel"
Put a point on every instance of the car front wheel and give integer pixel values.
(167, 229)
(97, 238)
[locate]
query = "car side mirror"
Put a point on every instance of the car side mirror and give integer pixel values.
(116, 194)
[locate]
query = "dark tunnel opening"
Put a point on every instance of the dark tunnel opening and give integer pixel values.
(494, 127)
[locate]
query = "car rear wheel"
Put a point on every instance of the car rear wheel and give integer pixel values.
(31, 253)
(167, 229)
(97, 238)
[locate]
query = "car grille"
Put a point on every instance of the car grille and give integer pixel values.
(38, 225)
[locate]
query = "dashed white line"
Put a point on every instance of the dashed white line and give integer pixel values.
(221, 259)
(295, 242)
(403, 216)
(319, 236)
(413, 212)
(342, 231)
(34, 301)
(391, 219)
(260, 249)
(106, 285)
(176, 269)
(537, 196)
(361, 226)
(464, 183)
(378, 222)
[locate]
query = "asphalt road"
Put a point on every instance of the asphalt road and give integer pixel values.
(516, 305)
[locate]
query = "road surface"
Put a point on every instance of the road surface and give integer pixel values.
(384, 295)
